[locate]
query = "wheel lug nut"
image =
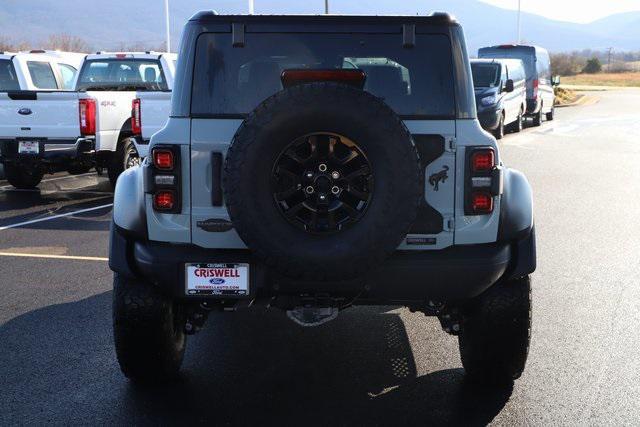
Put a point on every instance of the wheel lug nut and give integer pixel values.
(322, 167)
(335, 189)
(309, 190)
(335, 174)
(322, 197)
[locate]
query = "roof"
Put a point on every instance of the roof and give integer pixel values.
(130, 55)
(436, 18)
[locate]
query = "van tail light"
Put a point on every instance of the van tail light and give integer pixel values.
(136, 117)
(536, 85)
(164, 200)
(164, 179)
(87, 115)
(484, 181)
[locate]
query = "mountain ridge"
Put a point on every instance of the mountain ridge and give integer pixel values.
(117, 22)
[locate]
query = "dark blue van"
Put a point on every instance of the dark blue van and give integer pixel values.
(540, 96)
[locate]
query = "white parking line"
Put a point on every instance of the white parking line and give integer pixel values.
(5, 187)
(65, 257)
(33, 221)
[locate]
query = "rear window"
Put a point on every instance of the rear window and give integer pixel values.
(527, 55)
(42, 75)
(485, 75)
(122, 74)
(416, 82)
(8, 77)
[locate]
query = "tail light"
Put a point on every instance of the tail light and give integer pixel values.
(536, 85)
(483, 160)
(164, 200)
(136, 117)
(87, 113)
(484, 181)
(163, 159)
(164, 177)
(350, 77)
(482, 202)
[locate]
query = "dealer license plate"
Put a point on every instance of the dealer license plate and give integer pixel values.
(217, 279)
(28, 147)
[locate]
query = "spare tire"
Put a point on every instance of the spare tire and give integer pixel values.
(322, 181)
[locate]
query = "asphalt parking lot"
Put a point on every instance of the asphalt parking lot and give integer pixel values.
(372, 366)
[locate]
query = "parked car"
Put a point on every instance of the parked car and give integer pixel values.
(537, 64)
(287, 175)
(501, 94)
(116, 81)
(40, 131)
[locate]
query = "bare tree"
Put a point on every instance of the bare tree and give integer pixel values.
(67, 43)
(8, 45)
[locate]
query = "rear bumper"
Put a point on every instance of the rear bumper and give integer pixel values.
(407, 278)
(50, 151)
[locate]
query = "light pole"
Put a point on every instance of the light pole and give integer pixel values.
(166, 15)
(326, 7)
(251, 7)
(519, 26)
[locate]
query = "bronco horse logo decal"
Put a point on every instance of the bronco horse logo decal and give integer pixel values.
(437, 178)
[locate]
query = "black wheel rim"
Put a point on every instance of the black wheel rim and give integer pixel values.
(322, 182)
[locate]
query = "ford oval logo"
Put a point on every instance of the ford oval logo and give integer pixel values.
(216, 281)
(25, 111)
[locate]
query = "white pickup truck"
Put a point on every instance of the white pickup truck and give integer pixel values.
(40, 130)
(132, 93)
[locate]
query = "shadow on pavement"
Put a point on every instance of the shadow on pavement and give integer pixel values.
(57, 365)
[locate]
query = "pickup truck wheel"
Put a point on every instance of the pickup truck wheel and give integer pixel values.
(496, 331)
(148, 330)
(125, 157)
(322, 181)
(22, 177)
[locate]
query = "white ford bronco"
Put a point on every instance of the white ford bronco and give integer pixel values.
(313, 163)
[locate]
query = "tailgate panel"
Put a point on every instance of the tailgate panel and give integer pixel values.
(39, 115)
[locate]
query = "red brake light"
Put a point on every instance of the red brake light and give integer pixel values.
(164, 200)
(163, 159)
(482, 202)
(536, 85)
(348, 76)
(87, 112)
(136, 117)
(483, 161)
(121, 55)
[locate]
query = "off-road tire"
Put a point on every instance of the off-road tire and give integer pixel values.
(148, 330)
(120, 159)
(498, 132)
(496, 331)
(551, 114)
(343, 110)
(21, 177)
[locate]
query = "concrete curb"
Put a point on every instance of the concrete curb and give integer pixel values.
(581, 100)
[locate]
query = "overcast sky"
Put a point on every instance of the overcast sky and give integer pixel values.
(571, 10)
